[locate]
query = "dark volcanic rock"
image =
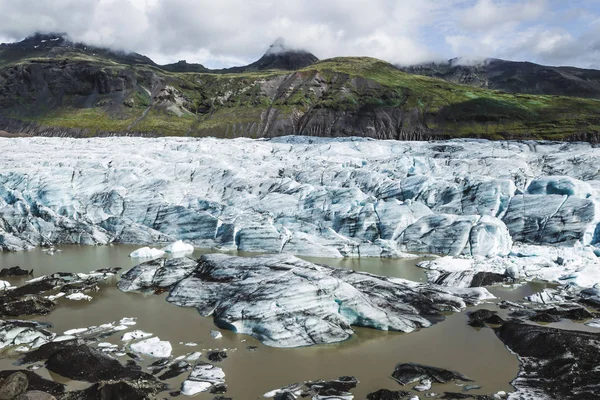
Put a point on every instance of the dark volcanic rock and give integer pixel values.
(408, 373)
(385, 394)
(84, 363)
(334, 387)
(14, 271)
(555, 314)
(489, 279)
(555, 363)
(13, 385)
(36, 382)
(45, 351)
(175, 369)
(30, 304)
(481, 317)
(217, 356)
(317, 389)
(139, 389)
(35, 395)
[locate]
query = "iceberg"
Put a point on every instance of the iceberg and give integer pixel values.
(147, 252)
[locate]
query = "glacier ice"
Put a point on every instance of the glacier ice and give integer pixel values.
(287, 302)
(328, 197)
(308, 197)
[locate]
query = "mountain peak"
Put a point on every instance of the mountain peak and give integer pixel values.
(278, 47)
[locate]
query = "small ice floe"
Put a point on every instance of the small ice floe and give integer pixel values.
(594, 323)
(51, 250)
(64, 338)
(106, 345)
(4, 285)
(153, 347)
(202, 379)
(191, 344)
(193, 356)
(128, 321)
(423, 386)
(78, 296)
(19, 333)
(179, 248)
(56, 296)
(75, 331)
(147, 252)
(547, 296)
(216, 334)
(135, 335)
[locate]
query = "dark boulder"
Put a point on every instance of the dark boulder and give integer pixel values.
(30, 304)
(217, 356)
(489, 279)
(481, 317)
(138, 389)
(408, 373)
(13, 385)
(14, 271)
(555, 363)
(385, 394)
(35, 395)
(84, 363)
(36, 382)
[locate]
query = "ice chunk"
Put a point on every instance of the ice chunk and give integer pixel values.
(179, 247)
(153, 347)
(147, 252)
(78, 296)
(135, 335)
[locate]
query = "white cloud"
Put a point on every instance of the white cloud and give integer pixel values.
(234, 32)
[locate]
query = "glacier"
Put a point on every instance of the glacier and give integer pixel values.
(287, 302)
(332, 197)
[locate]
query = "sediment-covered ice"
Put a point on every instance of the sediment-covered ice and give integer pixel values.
(287, 302)
(577, 267)
(307, 196)
(203, 378)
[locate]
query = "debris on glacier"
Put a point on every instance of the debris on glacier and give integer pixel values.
(334, 389)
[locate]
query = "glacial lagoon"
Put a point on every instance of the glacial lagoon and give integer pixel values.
(370, 355)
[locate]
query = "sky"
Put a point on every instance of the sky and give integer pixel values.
(223, 33)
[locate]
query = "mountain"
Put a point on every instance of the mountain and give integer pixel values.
(278, 56)
(64, 88)
(515, 77)
(53, 45)
(183, 66)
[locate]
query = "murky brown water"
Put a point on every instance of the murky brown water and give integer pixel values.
(370, 355)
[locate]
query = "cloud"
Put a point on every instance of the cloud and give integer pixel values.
(234, 32)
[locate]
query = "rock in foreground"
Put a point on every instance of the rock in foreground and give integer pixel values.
(555, 363)
(287, 302)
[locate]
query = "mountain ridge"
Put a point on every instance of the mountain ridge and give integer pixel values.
(78, 90)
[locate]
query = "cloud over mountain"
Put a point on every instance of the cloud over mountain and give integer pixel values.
(230, 32)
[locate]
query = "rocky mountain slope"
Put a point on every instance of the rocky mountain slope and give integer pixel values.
(60, 88)
(515, 77)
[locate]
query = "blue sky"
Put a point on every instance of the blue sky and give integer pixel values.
(234, 32)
